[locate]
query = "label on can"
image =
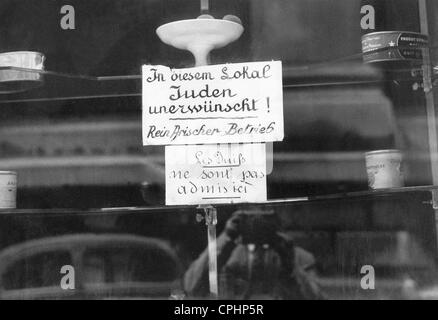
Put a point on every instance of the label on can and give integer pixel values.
(384, 169)
(393, 55)
(8, 190)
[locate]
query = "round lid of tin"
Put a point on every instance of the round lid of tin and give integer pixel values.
(370, 153)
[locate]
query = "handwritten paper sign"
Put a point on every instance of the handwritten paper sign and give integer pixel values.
(209, 174)
(228, 103)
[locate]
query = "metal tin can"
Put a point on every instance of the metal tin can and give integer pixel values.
(12, 81)
(384, 169)
(8, 189)
(385, 46)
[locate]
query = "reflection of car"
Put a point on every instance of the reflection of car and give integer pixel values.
(105, 266)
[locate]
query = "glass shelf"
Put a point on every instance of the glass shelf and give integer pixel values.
(65, 87)
(103, 212)
(345, 71)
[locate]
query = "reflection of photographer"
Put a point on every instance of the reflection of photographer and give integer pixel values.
(256, 261)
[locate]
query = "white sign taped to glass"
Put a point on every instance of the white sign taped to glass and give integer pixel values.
(227, 103)
(210, 174)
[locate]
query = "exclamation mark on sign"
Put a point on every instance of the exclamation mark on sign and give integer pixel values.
(268, 100)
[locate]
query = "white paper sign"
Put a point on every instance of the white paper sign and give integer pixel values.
(209, 174)
(229, 103)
